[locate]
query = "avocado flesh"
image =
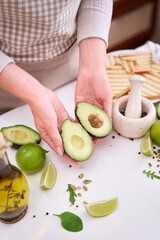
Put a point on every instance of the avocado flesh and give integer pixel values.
(76, 141)
(84, 113)
(20, 135)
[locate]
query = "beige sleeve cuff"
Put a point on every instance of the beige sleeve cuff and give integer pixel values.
(94, 23)
(4, 60)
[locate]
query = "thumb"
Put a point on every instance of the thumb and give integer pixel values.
(107, 106)
(57, 142)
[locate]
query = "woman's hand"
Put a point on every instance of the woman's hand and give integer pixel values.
(47, 109)
(49, 114)
(92, 83)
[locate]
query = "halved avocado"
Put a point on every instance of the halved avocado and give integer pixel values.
(76, 141)
(20, 135)
(93, 119)
(158, 110)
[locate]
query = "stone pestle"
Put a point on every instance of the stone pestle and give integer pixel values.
(134, 104)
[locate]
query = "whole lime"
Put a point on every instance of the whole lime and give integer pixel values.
(155, 132)
(30, 158)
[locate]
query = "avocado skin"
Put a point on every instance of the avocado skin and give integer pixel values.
(86, 129)
(17, 146)
(76, 159)
(68, 154)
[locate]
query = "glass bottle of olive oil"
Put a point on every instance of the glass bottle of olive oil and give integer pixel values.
(14, 192)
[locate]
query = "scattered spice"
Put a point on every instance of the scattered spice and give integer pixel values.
(47, 213)
(158, 151)
(154, 147)
(70, 165)
(132, 139)
(80, 194)
(119, 134)
(113, 136)
(34, 216)
(158, 160)
(122, 111)
(158, 156)
(139, 153)
(143, 114)
(153, 157)
(85, 188)
(73, 187)
(79, 187)
(76, 205)
(81, 176)
(157, 165)
(150, 165)
(86, 181)
(85, 202)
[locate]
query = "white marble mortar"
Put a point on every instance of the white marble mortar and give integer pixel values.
(133, 128)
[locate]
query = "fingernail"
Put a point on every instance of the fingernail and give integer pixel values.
(59, 151)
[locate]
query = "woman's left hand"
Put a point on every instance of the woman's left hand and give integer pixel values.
(92, 83)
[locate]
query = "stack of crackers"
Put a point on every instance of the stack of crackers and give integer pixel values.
(120, 68)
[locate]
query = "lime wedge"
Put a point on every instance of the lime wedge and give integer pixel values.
(49, 176)
(102, 208)
(147, 145)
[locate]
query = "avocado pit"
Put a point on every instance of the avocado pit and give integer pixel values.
(95, 120)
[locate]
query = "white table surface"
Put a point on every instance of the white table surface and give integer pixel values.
(115, 169)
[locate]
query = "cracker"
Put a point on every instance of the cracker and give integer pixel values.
(156, 67)
(151, 87)
(142, 61)
(119, 81)
(121, 67)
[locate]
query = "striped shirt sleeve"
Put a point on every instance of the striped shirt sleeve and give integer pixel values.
(94, 19)
(4, 60)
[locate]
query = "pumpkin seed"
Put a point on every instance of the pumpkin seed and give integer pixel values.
(85, 188)
(73, 187)
(87, 181)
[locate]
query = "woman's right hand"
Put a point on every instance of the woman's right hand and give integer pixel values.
(48, 111)
(49, 114)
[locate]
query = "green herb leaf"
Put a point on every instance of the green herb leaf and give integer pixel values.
(72, 194)
(151, 174)
(70, 221)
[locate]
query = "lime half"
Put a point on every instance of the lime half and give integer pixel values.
(147, 145)
(49, 176)
(102, 208)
